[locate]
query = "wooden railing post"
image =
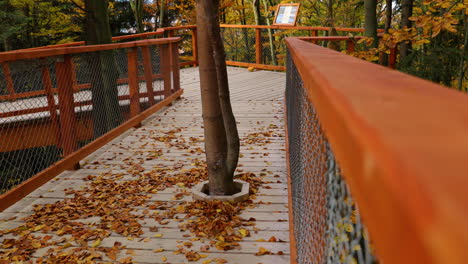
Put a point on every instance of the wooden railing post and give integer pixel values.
(258, 46)
(195, 46)
(51, 102)
(170, 33)
(166, 69)
(76, 88)
(392, 58)
(175, 66)
(350, 45)
(314, 33)
(9, 81)
(134, 91)
(148, 69)
(68, 136)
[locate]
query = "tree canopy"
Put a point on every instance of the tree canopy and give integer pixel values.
(431, 34)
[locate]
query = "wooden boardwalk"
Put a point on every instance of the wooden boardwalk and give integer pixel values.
(135, 182)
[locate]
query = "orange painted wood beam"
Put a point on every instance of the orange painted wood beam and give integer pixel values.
(401, 144)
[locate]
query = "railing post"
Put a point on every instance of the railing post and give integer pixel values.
(51, 102)
(166, 69)
(314, 33)
(170, 33)
(75, 82)
(9, 81)
(134, 91)
(195, 46)
(148, 69)
(175, 66)
(68, 136)
(350, 45)
(258, 46)
(392, 58)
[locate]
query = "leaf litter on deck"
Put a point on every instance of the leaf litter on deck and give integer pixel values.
(60, 233)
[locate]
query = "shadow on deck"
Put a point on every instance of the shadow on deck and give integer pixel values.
(138, 185)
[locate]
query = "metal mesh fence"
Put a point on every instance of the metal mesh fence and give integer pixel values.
(239, 44)
(50, 107)
(327, 225)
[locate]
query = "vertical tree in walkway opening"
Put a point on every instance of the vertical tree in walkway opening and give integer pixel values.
(221, 136)
(106, 109)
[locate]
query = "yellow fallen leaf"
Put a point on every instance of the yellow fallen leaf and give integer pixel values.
(164, 259)
(262, 251)
(39, 227)
(158, 250)
(36, 244)
(244, 232)
(96, 243)
(67, 245)
(158, 235)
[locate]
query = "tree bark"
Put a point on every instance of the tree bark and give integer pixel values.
(161, 14)
(137, 8)
(221, 138)
(370, 25)
(102, 66)
(388, 25)
(406, 13)
(270, 35)
(388, 14)
(256, 12)
(463, 66)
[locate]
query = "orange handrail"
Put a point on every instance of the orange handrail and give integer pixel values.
(67, 125)
(159, 31)
(297, 27)
(401, 144)
(41, 53)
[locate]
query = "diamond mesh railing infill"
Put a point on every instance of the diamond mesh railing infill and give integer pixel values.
(327, 225)
(52, 106)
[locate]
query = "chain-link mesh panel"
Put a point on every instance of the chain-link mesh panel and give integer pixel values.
(53, 106)
(185, 44)
(239, 44)
(327, 226)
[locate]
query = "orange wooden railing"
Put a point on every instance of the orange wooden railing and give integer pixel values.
(170, 32)
(401, 144)
(66, 87)
(350, 45)
(67, 127)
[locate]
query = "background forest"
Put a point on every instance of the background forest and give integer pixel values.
(431, 35)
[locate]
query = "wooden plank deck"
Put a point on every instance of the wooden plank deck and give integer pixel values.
(122, 183)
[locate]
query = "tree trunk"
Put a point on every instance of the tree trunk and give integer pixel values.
(463, 66)
(161, 14)
(334, 45)
(102, 66)
(221, 138)
(137, 8)
(406, 13)
(330, 14)
(270, 35)
(256, 12)
(388, 14)
(370, 25)
(388, 25)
